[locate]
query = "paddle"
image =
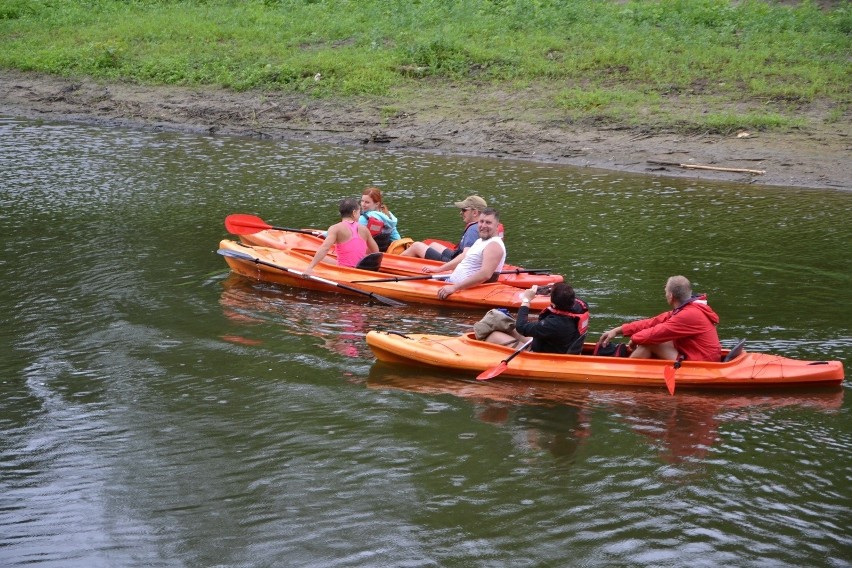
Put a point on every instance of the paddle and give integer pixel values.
(527, 271)
(248, 257)
(241, 224)
(494, 371)
(669, 375)
(404, 278)
(442, 276)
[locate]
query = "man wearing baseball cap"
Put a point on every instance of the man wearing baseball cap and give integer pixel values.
(470, 208)
(472, 201)
(479, 262)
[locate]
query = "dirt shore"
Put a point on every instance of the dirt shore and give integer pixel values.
(491, 124)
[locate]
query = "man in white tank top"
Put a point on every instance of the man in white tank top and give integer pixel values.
(479, 262)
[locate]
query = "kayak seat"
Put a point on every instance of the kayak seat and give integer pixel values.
(370, 262)
(576, 348)
(735, 352)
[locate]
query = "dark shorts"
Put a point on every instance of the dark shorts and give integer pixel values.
(432, 254)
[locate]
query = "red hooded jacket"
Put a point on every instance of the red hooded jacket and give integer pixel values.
(692, 328)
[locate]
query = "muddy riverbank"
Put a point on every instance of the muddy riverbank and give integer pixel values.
(454, 121)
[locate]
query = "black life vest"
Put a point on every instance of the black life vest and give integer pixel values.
(582, 318)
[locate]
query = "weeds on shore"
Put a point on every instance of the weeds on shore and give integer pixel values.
(748, 64)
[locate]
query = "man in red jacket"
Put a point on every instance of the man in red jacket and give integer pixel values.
(688, 331)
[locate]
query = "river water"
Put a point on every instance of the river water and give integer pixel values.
(156, 411)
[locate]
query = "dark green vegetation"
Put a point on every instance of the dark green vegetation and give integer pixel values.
(690, 64)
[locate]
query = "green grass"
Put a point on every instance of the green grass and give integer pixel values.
(620, 62)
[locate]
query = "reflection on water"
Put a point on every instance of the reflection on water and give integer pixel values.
(156, 411)
(685, 427)
(246, 302)
(340, 322)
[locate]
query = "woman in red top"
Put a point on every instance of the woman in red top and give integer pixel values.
(353, 241)
(688, 331)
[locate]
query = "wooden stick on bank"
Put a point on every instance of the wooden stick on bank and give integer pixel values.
(703, 167)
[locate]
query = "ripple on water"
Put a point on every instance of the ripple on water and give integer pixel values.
(156, 411)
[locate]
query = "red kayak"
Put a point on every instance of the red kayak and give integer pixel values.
(254, 231)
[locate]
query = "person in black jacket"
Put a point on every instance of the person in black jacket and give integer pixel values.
(560, 328)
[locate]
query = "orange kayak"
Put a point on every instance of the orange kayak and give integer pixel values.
(467, 355)
(287, 264)
(391, 263)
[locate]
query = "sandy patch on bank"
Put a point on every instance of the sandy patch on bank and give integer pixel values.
(488, 123)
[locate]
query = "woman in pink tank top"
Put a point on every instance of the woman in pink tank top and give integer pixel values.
(353, 241)
(349, 253)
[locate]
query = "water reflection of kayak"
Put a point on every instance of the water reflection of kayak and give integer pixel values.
(256, 307)
(560, 417)
(391, 263)
(466, 354)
